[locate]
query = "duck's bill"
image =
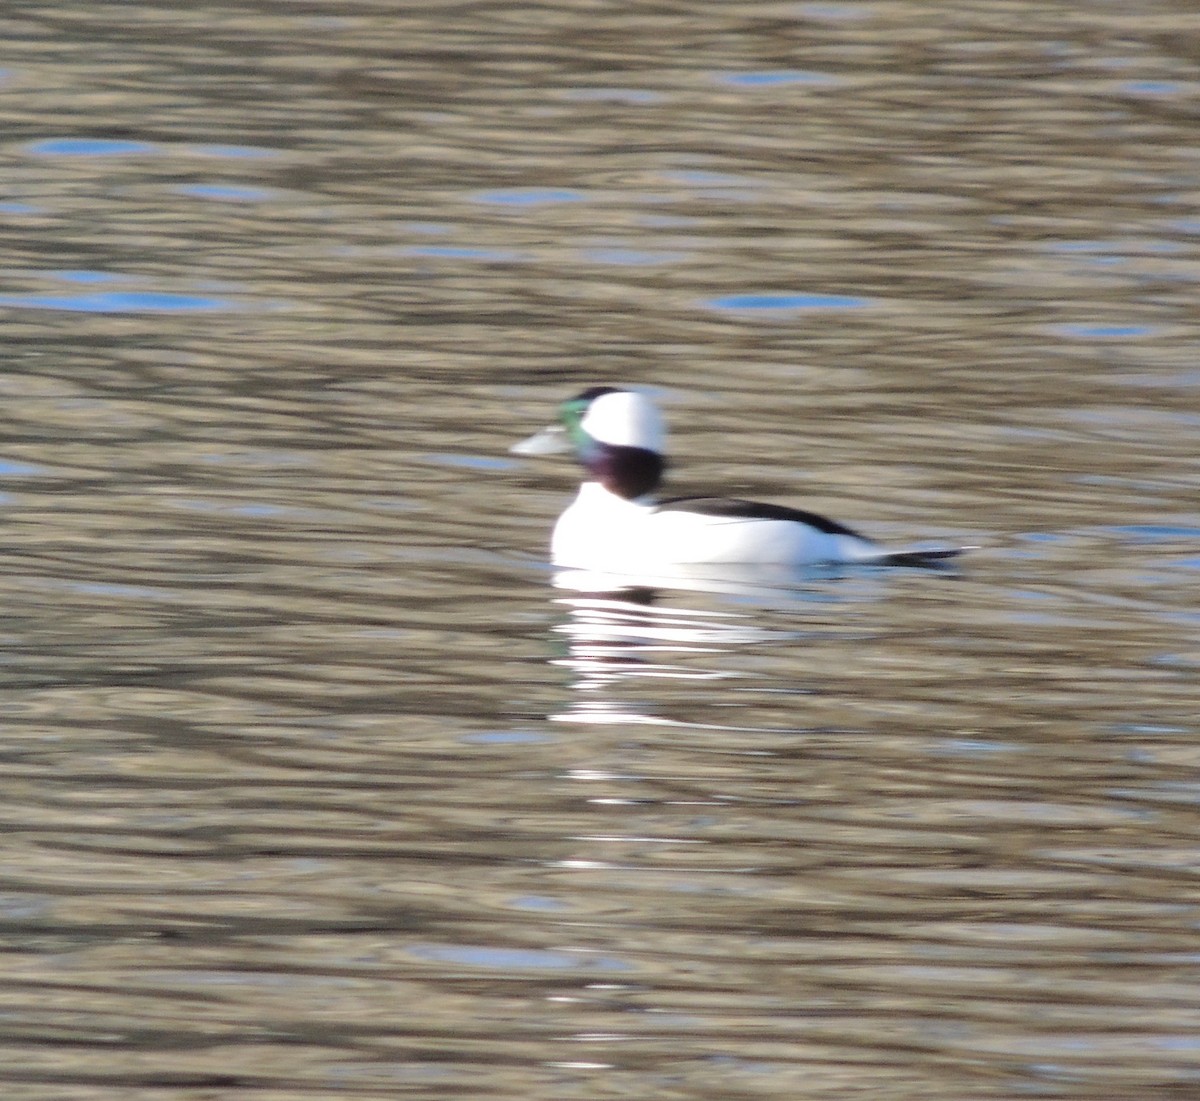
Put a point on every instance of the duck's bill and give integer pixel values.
(549, 441)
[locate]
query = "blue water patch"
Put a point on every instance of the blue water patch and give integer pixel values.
(706, 178)
(505, 737)
(632, 257)
(117, 302)
(529, 196)
(542, 903)
(1081, 246)
(91, 147)
(1175, 661)
(773, 78)
(230, 193)
(831, 11)
(88, 277)
(16, 906)
(1152, 87)
(1185, 225)
(1149, 533)
(1030, 594)
(1102, 332)
(972, 747)
(1181, 1042)
(14, 468)
(463, 252)
(1114, 251)
(19, 208)
(105, 588)
(258, 512)
(473, 462)
(787, 302)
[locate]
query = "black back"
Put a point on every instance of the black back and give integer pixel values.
(736, 509)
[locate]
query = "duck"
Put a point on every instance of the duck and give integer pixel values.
(616, 523)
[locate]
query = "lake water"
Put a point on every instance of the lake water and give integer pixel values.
(315, 785)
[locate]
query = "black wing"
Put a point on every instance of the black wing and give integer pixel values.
(736, 509)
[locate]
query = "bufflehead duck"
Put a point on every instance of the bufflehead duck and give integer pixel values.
(616, 524)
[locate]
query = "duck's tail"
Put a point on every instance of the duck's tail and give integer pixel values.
(922, 559)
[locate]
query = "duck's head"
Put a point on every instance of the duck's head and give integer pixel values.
(618, 436)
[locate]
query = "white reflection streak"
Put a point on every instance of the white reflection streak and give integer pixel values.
(622, 636)
(602, 712)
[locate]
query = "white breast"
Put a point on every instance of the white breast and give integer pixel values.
(599, 530)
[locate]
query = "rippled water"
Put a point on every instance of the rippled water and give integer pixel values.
(315, 784)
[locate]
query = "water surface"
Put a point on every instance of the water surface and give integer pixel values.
(316, 784)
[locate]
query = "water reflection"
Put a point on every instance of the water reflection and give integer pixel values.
(283, 815)
(622, 630)
(626, 635)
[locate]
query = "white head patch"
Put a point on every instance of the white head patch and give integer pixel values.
(626, 419)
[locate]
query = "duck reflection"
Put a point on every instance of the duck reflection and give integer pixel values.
(630, 631)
